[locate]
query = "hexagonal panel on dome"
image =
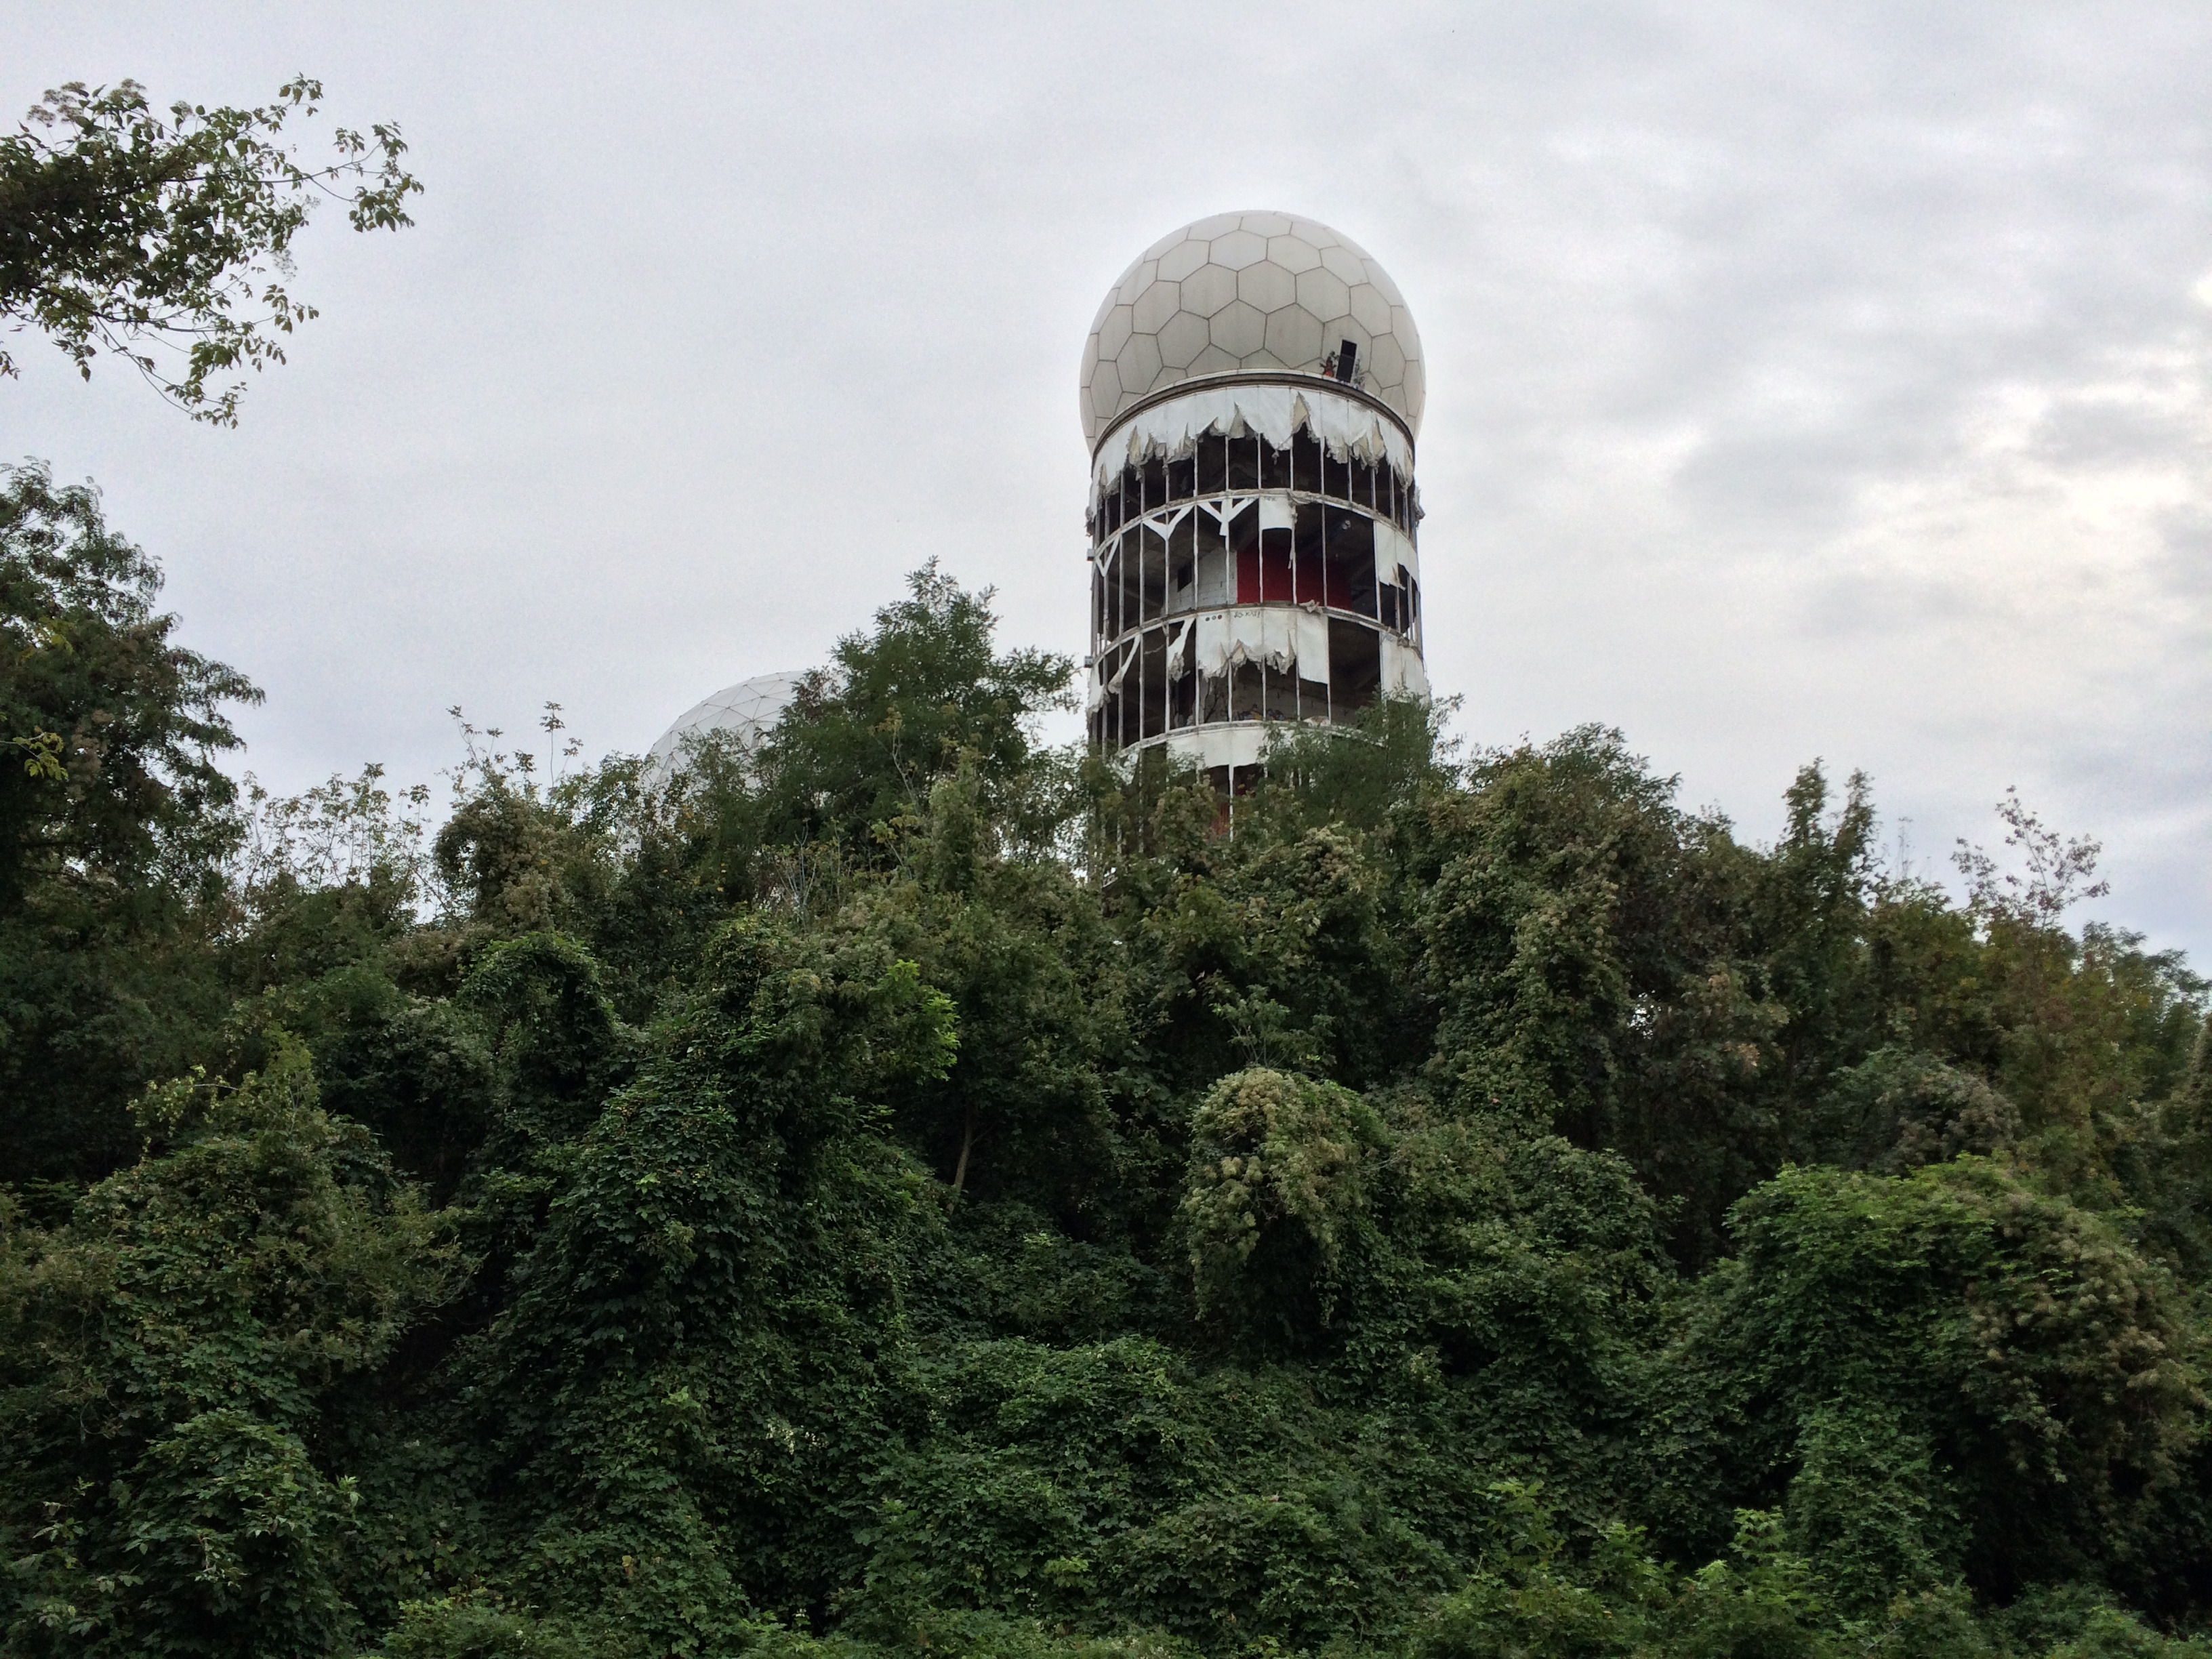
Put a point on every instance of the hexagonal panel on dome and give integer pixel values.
(1208, 288)
(1371, 308)
(1260, 291)
(1182, 338)
(1114, 331)
(1240, 329)
(1106, 391)
(1180, 260)
(1137, 282)
(1266, 285)
(1159, 248)
(1158, 302)
(1238, 249)
(1139, 362)
(1388, 289)
(1294, 335)
(1346, 262)
(1325, 294)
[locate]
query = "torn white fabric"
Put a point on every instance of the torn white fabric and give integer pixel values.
(1403, 674)
(1095, 696)
(1179, 652)
(1171, 429)
(1262, 636)
(1278, 513)
(1211, 633)
(1312, 643)
(1111, 673)
(1236, 746)
(1275, 636)
(1392, 550)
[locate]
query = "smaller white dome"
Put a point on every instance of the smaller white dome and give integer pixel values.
(744, 713)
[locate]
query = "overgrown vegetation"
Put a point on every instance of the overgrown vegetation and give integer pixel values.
(909, 1189)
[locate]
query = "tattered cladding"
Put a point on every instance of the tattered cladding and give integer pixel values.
(1250, 292)
(1247, 576)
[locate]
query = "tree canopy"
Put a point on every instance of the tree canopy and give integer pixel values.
(905, 1188)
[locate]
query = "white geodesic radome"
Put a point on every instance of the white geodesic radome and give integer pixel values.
(745, 713)
(1250, 292)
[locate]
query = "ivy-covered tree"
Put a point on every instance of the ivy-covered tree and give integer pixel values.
(116, 820)
(112, 730)
(175, 1362)
(866, 738)
(906, 1190)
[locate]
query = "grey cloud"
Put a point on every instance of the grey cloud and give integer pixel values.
(2187, 568)
(719, 319)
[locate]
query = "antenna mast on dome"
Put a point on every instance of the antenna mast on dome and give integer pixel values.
(1252, 389)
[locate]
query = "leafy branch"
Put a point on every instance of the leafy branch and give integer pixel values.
(121, 229)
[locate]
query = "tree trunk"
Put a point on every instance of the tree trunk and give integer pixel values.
(967, 1145)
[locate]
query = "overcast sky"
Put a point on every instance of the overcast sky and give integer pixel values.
(1804, 380)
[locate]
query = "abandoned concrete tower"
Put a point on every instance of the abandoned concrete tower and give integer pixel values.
(1251, 391)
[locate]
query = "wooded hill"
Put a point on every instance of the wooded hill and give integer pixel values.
(914, 1189)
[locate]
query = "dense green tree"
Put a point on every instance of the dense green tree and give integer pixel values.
(866, 738)
(1942, 1373)
(116, 821)
(1276, 1187)
(906, 1190)
(175, 1361)
(1025, 954)
(698, 1363)
(113, 729)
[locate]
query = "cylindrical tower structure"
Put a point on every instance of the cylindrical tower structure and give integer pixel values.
(1252, 389)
